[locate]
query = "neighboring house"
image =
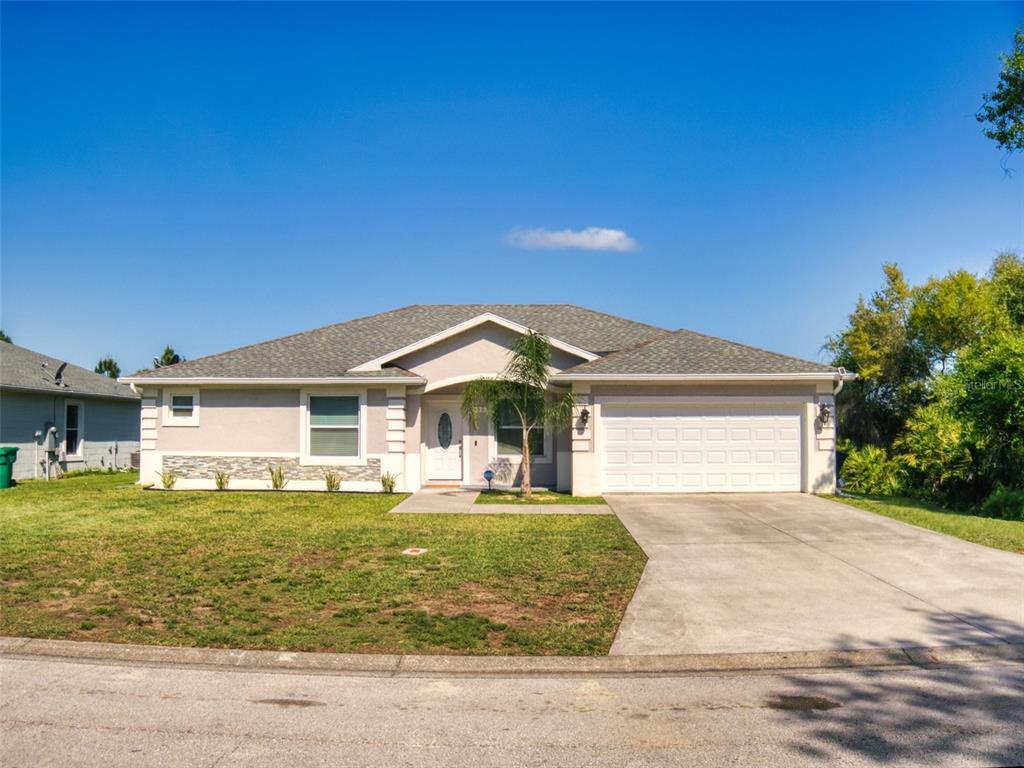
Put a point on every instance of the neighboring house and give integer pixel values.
(97, 419)
(656, 410)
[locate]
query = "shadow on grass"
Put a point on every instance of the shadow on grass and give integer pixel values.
(957, 714)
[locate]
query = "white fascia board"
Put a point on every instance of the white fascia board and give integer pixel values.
(644, 377)
(209, 380)
(486, 317)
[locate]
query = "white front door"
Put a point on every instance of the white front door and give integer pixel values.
(701, 449)
(444, 442)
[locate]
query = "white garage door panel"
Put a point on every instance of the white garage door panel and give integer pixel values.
(689, 448)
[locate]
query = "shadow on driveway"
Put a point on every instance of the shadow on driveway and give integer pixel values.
(894, 718)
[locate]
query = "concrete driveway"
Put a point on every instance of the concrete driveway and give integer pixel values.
(732, 573)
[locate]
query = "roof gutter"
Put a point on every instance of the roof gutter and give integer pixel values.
(843, 376)
(670, 377)
(194, 380)
(69, 392)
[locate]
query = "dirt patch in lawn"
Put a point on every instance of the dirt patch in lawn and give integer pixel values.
(490, 604)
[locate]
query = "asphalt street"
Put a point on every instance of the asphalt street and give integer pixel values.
(61, 713)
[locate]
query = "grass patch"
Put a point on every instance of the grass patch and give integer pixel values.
(97, 558)
(539, 496)
(1000, 534)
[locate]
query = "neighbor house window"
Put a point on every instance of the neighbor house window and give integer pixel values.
(509, 433)
(72, 429)
(333, 425)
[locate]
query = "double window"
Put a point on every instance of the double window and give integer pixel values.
(508, 429)
(334, 425)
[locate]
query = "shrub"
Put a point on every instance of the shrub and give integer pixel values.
(388, 481)
(85, 472)
(871, 470)
(936, 452)
(221, 479)
(1004, 503)
(277, 481)
(168, 479)
(333, 480)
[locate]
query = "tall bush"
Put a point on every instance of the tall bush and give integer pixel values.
(987, 390)
(935, 451)
(871, 470)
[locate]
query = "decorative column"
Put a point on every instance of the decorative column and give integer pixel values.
(149, 460)
(394, 460)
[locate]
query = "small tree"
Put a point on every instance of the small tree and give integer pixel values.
(169, 357)
(108, 367)
(523, 389)
(5, 337)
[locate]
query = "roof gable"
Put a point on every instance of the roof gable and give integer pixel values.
(455, 330)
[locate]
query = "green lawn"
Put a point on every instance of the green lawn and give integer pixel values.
(1001, 534)
(96, 558)
(539, 496)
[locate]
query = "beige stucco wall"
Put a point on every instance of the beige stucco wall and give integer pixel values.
(377, 421)
(715, 389)
(241, 420)
(256, 420)
(480, 351)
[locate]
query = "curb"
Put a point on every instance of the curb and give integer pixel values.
(394, 665)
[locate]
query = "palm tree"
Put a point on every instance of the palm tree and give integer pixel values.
(521, 388)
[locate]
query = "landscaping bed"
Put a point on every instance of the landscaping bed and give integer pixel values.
(97, 558)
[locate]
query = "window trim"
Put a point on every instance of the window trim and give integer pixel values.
(305, 458)
(169, 419)
(79, 429)
(543, 458)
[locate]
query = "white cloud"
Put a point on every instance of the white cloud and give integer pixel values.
(589, 239)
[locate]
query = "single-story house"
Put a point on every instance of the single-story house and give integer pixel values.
(656, 410)
(97, 419)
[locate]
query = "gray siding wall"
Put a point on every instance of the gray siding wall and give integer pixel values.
(110, 430)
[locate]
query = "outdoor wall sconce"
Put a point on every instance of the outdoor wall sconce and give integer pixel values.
(824, 414)
(584, 417)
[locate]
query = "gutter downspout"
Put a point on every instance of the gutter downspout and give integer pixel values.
(842, 380)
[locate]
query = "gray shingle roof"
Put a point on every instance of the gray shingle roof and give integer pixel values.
(22, 368)
(331, 351)
(689, 353)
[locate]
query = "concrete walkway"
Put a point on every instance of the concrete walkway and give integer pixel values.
(461, 501)
(438, 501)
(742, 573)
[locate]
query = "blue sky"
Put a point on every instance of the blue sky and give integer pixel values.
(213, 175)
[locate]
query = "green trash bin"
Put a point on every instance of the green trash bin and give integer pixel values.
(7, 459)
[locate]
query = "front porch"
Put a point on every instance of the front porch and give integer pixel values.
(445, 450)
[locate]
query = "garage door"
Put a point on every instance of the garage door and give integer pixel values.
(700, 449)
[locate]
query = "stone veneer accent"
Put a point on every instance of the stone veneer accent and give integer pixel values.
(255, 468)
